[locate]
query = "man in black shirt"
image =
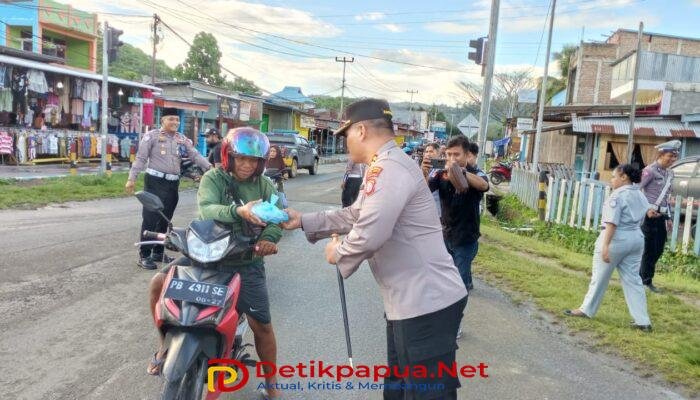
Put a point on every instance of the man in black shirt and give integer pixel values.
(460, 211)
(213, 138)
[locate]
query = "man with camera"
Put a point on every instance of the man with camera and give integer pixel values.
(461, 188)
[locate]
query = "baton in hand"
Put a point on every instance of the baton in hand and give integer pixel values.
(341, 286)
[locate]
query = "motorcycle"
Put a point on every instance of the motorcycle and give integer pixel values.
(500, 172)
(278, 176)
(196, 312)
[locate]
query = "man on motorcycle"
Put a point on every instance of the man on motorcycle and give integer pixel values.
(227, 194)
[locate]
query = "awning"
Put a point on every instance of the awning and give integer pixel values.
(181, 105)
(661, 127)
(20, 62)
(217, 93)
(548, 128)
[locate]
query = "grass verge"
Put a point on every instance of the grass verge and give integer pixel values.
(672, 349)
(40, 192)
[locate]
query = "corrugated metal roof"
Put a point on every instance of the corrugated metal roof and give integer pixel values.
(643, 126)
(67, 71)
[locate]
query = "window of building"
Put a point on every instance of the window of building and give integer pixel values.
(54, 47)
(612, 161)
(26, 40)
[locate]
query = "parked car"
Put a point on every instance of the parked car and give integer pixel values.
(686, 183)
(686, 174)
(297, 152)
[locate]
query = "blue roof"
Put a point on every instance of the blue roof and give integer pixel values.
(292, 94)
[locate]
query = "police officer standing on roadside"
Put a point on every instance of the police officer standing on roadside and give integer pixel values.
(160, 154)
(395, 226)
(657, 179)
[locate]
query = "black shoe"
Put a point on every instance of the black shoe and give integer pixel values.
(147, 263)
(653, 288)
(643, 328)
(164, 258)
(470, 287)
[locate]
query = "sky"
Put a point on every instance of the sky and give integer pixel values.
(282, 43)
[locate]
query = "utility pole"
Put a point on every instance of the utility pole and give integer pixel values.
(106, 38)
(410, 107)
(488, 80)
(543, 92)
(633, 111)
(452, 123)
(345, 61)
(156, 20)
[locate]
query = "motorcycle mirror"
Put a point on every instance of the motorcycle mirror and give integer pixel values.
(150, 201)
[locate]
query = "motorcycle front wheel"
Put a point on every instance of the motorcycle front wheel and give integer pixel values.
(190, 386)
(496, 179)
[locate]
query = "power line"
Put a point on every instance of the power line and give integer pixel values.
(222, 66)
(330, 48)
(49, 8)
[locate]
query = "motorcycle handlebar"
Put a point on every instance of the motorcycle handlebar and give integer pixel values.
(150, 242)
(149, 235)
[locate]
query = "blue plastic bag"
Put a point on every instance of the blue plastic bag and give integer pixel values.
(268, 211)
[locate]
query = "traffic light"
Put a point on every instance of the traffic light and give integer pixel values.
(479, 53)
(113, 43)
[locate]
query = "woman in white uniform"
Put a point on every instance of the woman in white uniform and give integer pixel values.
(620, 246)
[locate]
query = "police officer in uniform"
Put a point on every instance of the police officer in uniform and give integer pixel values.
(620, 246)
(395, 226)
(160, 155)
(657, 180)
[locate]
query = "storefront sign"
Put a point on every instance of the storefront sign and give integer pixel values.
(308, 121)
(245, 111)
(229, 108)
(139, 100)
(524, 124)
(255, 111)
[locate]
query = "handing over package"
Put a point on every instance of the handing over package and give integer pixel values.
(268, 211)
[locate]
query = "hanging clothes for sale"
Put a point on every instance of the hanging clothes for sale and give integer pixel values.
(6, 143)
(91, 97)
(36, 81)
(76, 91)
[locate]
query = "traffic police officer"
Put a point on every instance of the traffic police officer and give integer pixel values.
(657, 180)
(395, 226)
(160, 154)
(620, 246)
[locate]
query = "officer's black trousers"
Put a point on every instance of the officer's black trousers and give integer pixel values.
(167, 191)
(654, 230)
(350, 191)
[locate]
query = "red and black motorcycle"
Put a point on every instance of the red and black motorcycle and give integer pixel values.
(500, 172)
(196, 312)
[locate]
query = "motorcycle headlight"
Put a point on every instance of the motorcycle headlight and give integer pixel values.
(206, 252)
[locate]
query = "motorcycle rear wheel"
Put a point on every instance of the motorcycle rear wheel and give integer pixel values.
(190, 386)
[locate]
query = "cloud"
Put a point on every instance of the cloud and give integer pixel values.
(520, 16)
(452, 28)
(372, 16)
(392, 28)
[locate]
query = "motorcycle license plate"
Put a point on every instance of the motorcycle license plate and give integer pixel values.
(197, 292)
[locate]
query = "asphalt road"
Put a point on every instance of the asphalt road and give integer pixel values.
(75, 321)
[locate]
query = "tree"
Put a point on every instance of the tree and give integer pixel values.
(133, 64)
(331, 102)
(563, 58)
(504, 97)
(244, 86)
(202, 63)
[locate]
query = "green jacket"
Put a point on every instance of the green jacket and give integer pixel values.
(215, 200)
